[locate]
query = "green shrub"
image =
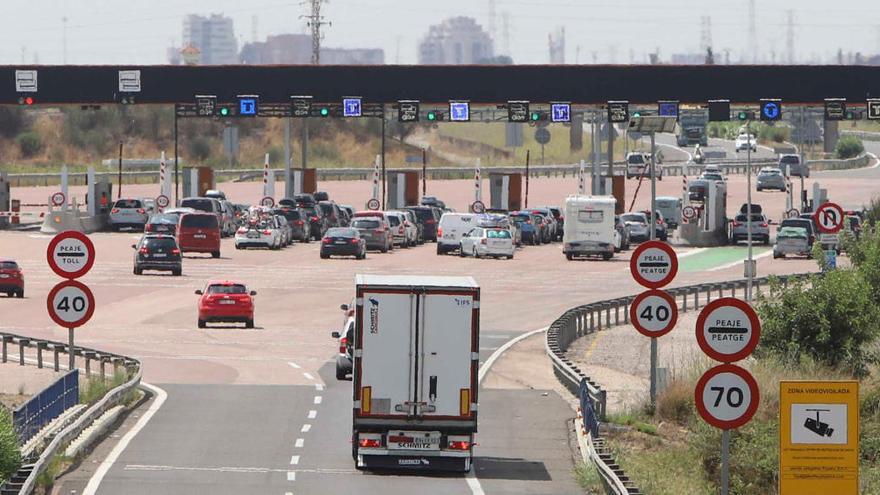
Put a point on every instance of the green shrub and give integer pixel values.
(29, 143)
(10, 456)
(831, 319)
(775, 134)
(199, 149)
(11, 121)
(848, 147)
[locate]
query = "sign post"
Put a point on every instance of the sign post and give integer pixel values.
(70, 303)
(818, 437)
(654, 312)
(726, 396)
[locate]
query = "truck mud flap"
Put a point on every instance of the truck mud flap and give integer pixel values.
(415, 463)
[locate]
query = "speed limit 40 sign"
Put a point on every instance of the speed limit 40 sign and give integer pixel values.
(70, 304)
(654, 313)
(727, 396)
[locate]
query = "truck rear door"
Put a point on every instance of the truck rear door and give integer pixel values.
(448, 354)
(386, 345)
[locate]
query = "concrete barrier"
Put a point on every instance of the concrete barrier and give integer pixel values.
(61, 220)
(858, 162)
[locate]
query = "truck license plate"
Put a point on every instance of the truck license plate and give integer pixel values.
(414, 440)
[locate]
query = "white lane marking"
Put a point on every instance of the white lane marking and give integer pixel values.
(95, 481)
(291, 476)
(308, 376)
(319, 387)
(739, 263)
(317, 399)
(488, 348)
(288, 493)
(294, 460)
(484, 369)
(495, 337)
(306, 427)
(692, 252)
(293, 364)
(474, 483)
(313, 414)
(244, 470)
(299, 443)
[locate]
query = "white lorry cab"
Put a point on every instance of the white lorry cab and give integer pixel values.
(416, 359)
(589, 226)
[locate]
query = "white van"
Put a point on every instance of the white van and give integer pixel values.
(452, 227)
(589, 226)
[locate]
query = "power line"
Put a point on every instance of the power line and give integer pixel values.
(315, 21)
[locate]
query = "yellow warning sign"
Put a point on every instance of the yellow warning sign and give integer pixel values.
(818, 437)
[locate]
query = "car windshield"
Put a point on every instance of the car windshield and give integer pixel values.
(160, 242)
(634, 218)
(498, 234)
(326, 208)
(199, 204)
(309, 210)
(289, 214)
(789, 159)
(128, 203)
(771, 171)
(520, 217)
(199, 221)
(365, 224)
(227, 289)
(422, 213)
(755, 218)
(341, 232)
(393, 220)
(8, 265)
(798, 222)
(166, 218)
(636, 159)
(792, 232)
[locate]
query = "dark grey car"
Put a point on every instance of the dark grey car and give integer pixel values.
(770, 178)
(157, 252)
(373, 230)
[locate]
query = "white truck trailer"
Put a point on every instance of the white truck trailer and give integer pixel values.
(589, 226)
(416, 359)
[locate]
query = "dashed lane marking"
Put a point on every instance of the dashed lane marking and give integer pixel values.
(299, 443)
(294, 365)
(305, 429)
(309, 376)
(317, 399)
(313, 414)
(294, 460)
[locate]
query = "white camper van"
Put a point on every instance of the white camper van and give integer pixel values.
(416, 354)
(589, 226)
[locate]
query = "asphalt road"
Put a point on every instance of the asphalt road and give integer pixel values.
(239, 400)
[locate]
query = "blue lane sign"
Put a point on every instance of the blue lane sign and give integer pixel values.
(771, 109)
(667, 108)
(560, 112)
(247, 106)
(351, 107)
(459, 111)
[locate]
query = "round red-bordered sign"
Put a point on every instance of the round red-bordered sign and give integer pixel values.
(58, 199)
(829, 218)
(162, 201)
(268, 202)
(653, 264)
(727, 396)
(70, 254)
(728, 329)
(689, 212)
(478, 207)
(70, 304)
(373, 204)
(653, 313)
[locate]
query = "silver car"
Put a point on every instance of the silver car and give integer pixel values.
(131, 212)
(771, 178)
(636, 226)
(739, 230)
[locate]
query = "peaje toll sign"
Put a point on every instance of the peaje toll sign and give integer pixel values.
(70, 254)
(653, 264)
(728, 329)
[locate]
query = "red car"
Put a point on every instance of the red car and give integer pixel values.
(11, 278)
(224, 301)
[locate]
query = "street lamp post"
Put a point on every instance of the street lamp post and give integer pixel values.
(750, 267)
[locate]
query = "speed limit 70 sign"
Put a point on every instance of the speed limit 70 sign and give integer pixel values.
(70, 304)
(654, 313)
(727, 396)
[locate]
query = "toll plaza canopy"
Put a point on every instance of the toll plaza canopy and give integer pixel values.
(479, 84)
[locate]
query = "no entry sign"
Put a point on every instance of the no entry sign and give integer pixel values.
(728, 329)
(70, 304)
(653, 264)
(654, 313)
(829, 218)
(727, 396)
(70, 254)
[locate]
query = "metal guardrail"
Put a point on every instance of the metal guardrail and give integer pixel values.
(73, 430)
(30, 417)
(589, 318)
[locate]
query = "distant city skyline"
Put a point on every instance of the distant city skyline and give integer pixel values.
(117, 32)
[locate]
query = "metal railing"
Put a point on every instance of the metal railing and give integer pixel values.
(30, 417)
(589, 318)
(112, 398)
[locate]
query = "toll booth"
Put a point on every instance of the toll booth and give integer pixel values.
(505, 191)
(99, 197)
(709, 229)
(403, 189)
(5, 197)
(301, 181)
(197, 181)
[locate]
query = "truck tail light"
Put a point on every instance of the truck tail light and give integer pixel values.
(464, 402)
(366, 396)
(370, 440)
(458, 442)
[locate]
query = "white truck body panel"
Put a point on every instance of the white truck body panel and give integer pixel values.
(454, 226)
(589, 225)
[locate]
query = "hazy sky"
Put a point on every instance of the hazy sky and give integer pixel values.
(139, 31)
